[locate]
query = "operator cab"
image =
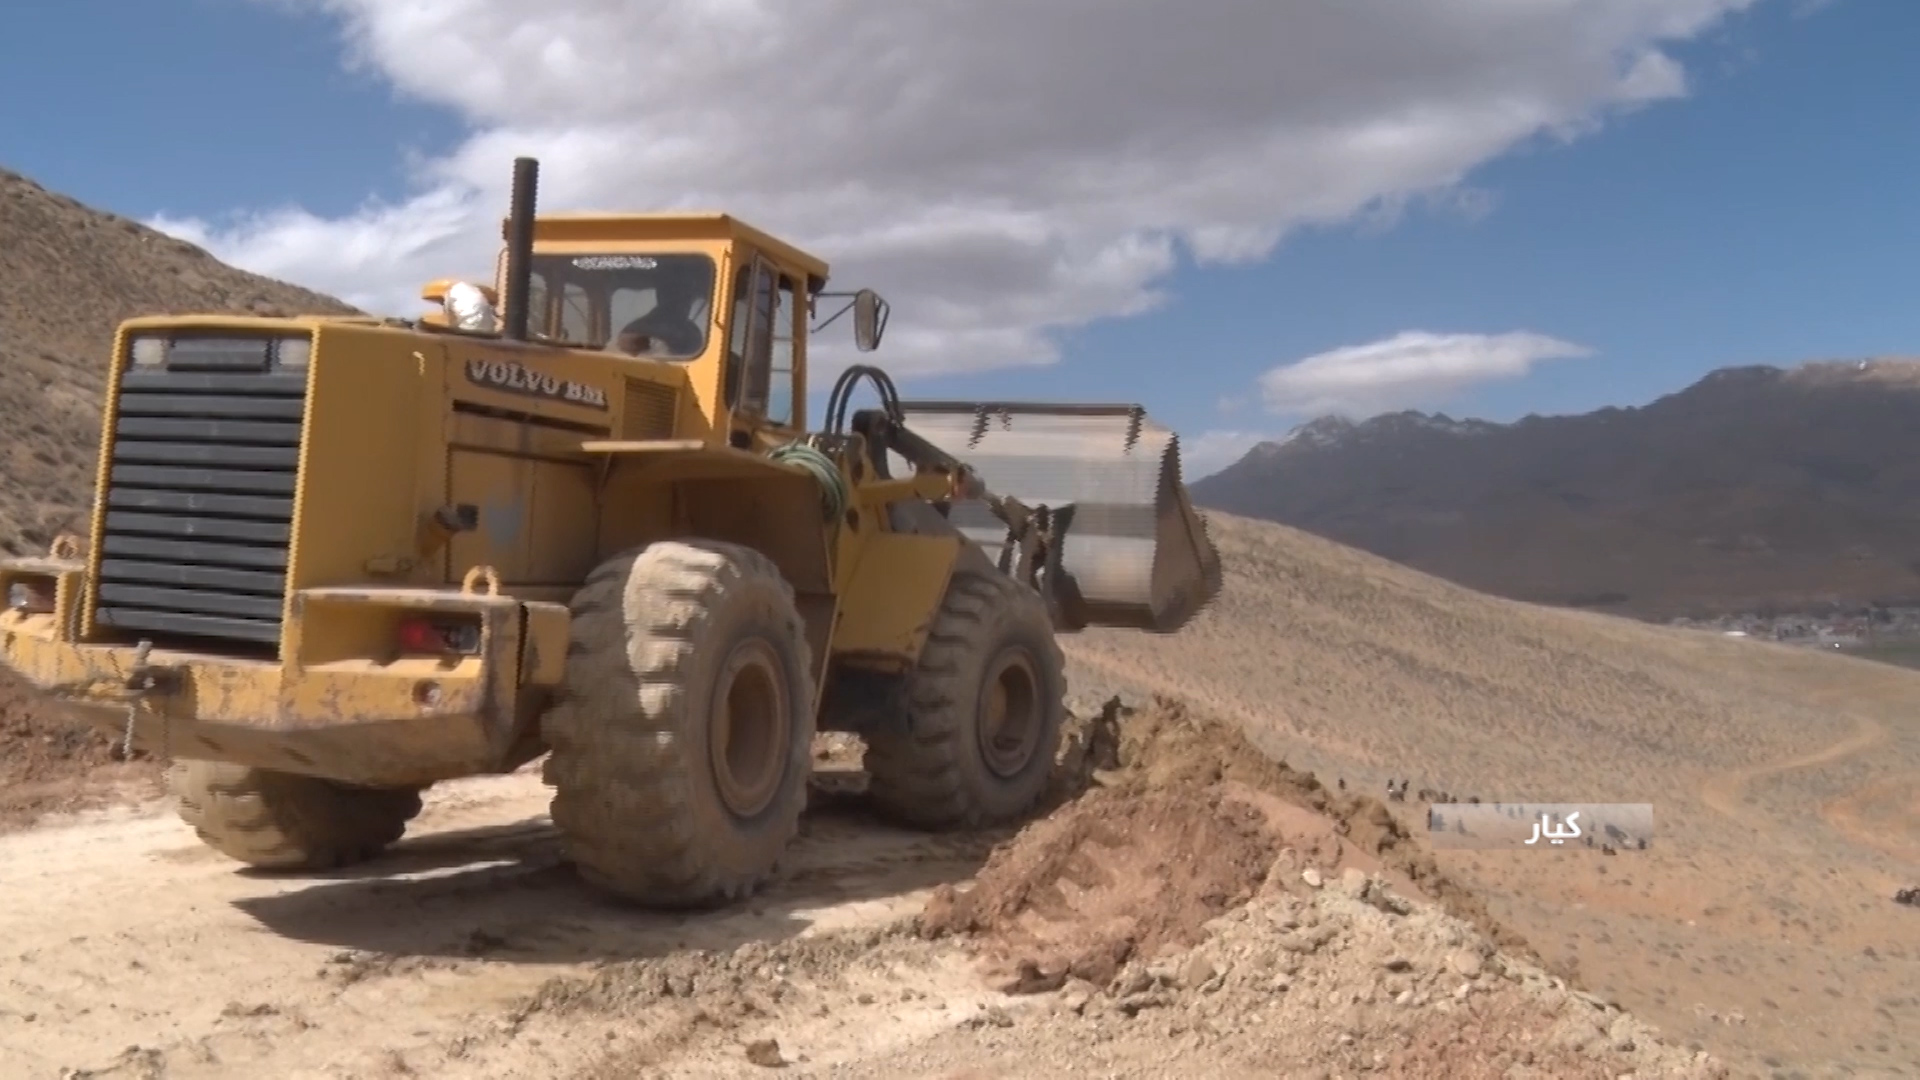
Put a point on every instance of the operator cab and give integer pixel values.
(705, 291)
(661, 305)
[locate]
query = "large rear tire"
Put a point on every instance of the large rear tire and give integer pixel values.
(984, 711)
(285, 821)
(681, 741)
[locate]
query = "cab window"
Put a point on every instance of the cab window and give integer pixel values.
(780, 385)
(762, 343)
(656, 306)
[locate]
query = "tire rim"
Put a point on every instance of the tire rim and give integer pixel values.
(748, 733)
(1009, 724)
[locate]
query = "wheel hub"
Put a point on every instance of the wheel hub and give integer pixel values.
(1010, 713)
(749, 735)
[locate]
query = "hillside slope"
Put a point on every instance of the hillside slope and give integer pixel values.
(1785, 781)
(70, 274)
(1754, 486)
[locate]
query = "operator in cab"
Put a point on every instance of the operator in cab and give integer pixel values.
(669, 330)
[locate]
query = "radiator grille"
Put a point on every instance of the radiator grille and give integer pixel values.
(648, 412)
(200, 493)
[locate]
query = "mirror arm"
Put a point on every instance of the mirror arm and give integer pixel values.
(844, 308)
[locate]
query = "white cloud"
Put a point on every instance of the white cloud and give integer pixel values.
(1001, 169)
(1212, 451)
(1412, 369)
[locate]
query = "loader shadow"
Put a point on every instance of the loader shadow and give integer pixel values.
(507, 894)
(445, 850)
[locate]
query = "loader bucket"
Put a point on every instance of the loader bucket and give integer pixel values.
(1133, 552)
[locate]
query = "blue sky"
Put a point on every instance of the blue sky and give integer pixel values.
(1765, 217)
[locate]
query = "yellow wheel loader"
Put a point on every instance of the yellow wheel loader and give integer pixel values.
(333, 561)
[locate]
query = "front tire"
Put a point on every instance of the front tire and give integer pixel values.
(285, 821)
(985, 706)
(681, 742)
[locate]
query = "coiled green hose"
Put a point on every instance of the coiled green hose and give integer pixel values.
(834, 492)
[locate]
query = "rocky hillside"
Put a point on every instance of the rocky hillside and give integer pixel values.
(71, 273)
(1755, 486)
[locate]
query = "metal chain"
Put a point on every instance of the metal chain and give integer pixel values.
(139, 684)
(126, 739)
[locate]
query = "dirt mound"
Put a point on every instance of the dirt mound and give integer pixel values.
(1353, 977)
(1169, 745)
(1188, 892)
(50, 763)
(1110, 877)
(1164, 776)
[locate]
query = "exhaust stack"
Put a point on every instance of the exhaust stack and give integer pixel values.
(526, 183)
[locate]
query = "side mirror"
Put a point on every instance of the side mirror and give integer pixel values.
(869, 319)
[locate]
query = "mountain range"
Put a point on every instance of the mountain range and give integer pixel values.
(1754, 488)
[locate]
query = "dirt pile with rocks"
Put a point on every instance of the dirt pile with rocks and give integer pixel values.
(1346, 979)
(1183, 907)
(1167, 759)
(1351, 977)
(1210, 895)
(50, 763)
(1109, 878)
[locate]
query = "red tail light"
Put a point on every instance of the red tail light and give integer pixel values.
(438, 637)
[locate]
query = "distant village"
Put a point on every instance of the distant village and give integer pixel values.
(1859, 629)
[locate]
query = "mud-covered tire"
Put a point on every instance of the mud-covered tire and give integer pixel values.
(657, 642)
(285, 821)
(932, 769)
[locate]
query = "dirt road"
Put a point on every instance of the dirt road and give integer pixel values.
(1165, 917)
(1726, 792)
(130, 947)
